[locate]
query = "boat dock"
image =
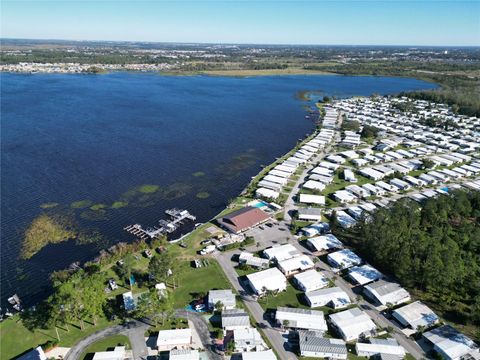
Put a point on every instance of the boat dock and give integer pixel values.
(176, 218)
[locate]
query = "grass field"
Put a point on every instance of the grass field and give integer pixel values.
(195, 281)
(247, 271)
(15, 338)
(106, 344)
(290, 298)
(268, 72)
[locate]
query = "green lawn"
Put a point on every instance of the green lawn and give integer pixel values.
(193, 281)
(15, 339)
(289, 298)
(106, 344)
(167, 324)
(246, 271)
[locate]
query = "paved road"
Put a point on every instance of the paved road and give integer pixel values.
(201, 326)
(274, 336)
(133, 329)
(409, 345)
(289, 205)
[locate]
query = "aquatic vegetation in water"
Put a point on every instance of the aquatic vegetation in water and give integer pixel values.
(307, 95)
(238, 164)
(89, 237)
(49, 205)
(175, 191)
(94, 215)
(81, 204)
(44, 230)
(198, 174)
(202, 195)
(145, 200)
(119, 204)
(98, 207)
(148, 189)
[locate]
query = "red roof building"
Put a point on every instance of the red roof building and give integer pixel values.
(243, 219)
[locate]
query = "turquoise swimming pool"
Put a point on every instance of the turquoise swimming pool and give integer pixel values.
(260, 204)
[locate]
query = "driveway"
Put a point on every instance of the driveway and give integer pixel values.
(201, 326)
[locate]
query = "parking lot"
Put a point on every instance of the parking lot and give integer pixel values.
(267, 236)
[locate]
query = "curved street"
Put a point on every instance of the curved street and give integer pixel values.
(134, 329)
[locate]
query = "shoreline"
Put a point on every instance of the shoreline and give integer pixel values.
(241, 195)
(226, 73)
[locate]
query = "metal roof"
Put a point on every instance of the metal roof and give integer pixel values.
(314, 342)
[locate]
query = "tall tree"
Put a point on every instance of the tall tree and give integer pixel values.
(92, 296)
(160, 266)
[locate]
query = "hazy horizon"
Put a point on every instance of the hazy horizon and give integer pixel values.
(234, 44)
(356, 23)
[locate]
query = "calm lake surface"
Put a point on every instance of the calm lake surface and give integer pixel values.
(80, 140)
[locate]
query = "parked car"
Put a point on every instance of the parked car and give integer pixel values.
(113, 285)
(208, 250)
(148, 253)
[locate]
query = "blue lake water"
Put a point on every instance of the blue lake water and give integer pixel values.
(71, 138)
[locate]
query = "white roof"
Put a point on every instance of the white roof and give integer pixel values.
(276, 179)
(388, 292)
(248, 334)
(302, 318)
(279, 173)
(287, 169)
(174, 337)
(364, 274)
(344, 195)
(259, 355)
(451, 342)
(282, 252)
(311, 280)
(312, 199)
(267, 193)
(345, 258)
(416, 314)
(227, 297)
(271, 279)
(385, 348)
(118, 353)
(314, 185)
(352, 323)
(299, 263)
(183, 354)
(329, 165)
(325, 242)
(322, 171)
(323, 297)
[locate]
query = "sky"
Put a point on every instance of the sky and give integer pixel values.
(339, 22)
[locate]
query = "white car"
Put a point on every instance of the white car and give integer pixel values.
(113, 285)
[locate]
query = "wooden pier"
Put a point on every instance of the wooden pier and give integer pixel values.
(177, 218)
